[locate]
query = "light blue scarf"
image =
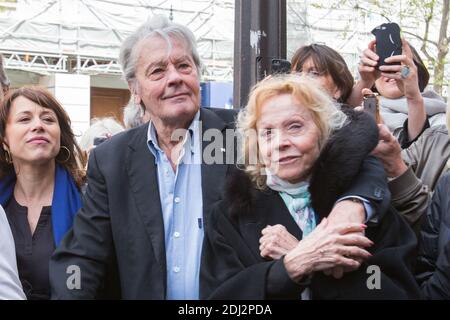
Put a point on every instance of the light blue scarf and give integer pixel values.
(297, 199)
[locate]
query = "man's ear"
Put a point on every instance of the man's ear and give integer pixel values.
(133, 87)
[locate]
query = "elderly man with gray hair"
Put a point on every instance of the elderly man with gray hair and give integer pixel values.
(151, 189)
(148, 188)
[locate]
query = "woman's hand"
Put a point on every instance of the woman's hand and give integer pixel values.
(328, 246)
(368, 74)
(345, 211)
(276, 241)
(409, 84)
(367, 66)
(389, 152)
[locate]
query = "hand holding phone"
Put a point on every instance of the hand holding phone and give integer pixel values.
(280, 66)
(388, 42)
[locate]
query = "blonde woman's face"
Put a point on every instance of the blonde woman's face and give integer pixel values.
(288, 138)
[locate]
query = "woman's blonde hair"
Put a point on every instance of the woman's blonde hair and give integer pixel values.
(325, 114)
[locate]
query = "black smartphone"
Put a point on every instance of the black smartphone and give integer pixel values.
(280, 66)
(389, 42)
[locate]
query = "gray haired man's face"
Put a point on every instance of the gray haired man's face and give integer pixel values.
(167, 80)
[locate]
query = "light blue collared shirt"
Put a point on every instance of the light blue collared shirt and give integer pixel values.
(182, 209)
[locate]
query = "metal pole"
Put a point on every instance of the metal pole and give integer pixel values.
(260, 36)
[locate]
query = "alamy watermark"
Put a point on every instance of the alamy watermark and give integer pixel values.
(73, 281)
(225, 147)
(374, 280)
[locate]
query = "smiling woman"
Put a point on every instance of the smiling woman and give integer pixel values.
(40, 178)
(273, 235)
(284, 119)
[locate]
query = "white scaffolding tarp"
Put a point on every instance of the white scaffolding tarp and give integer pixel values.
(96, 28)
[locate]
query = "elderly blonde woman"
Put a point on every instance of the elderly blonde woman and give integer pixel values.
(309, 155)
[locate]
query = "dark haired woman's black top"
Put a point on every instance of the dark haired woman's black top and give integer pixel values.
(33, 251)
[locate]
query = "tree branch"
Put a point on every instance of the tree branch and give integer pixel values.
(423, 48)
(420, 38)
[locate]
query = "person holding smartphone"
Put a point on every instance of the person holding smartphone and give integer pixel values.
(405, 108)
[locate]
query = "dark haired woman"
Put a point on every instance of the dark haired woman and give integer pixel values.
(40, 178)
(328, 67)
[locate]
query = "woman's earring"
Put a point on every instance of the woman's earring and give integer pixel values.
(8, 156)
(68, 154)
